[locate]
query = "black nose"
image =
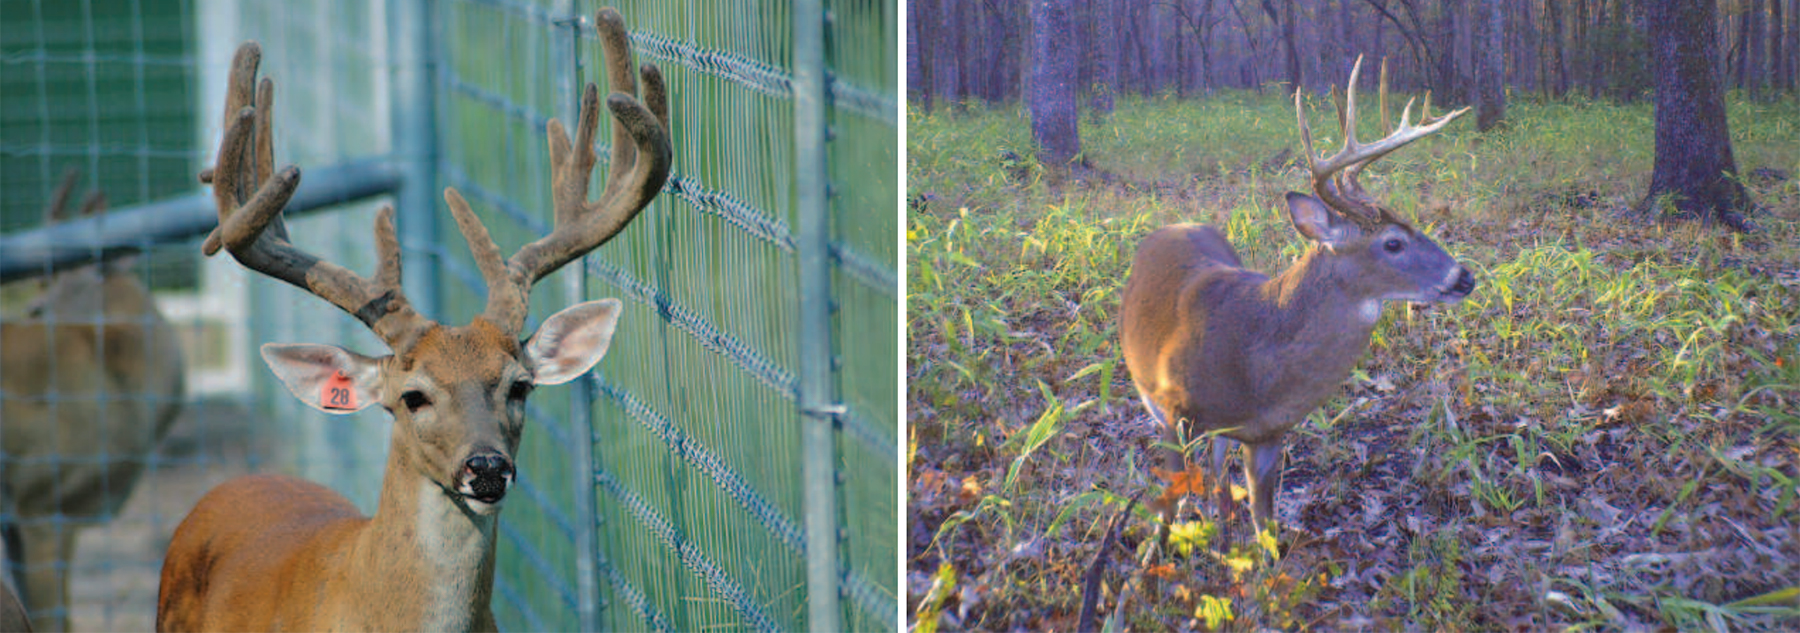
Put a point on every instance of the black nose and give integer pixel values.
(1465, 283)
(489, 475)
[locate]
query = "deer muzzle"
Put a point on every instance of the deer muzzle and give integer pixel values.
(1461, 287)
(485, 477)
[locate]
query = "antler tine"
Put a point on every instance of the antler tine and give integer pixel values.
(616, 42)
(656, 95)
(1402, 135)
(506, 299)
(1325, 171)
(641, 160)
(93, 203)
(1335, 178)
(58, 208)
(251, 228)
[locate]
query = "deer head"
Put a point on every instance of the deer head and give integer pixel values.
(457, 393)
(85, 291)
(1380, 253)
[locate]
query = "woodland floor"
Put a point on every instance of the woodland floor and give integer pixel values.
(1604, 435)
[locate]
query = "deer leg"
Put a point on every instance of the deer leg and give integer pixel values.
(1218, 479)
(1262, 470)
(1174, 459)
(47, 547)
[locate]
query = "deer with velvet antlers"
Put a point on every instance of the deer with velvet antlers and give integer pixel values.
(1235, 355)
(270, 553)
(94, 378)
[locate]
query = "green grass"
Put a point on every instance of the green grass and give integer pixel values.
(1603, 435)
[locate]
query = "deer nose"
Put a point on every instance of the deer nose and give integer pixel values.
(1465, 284)
(486, 476)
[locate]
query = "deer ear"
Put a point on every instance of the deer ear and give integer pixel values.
(326, 377)
(571, 341)
(1317, 222)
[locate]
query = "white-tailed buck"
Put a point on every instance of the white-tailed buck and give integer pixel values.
(93, 378)
(1217, 349)
(277, 553)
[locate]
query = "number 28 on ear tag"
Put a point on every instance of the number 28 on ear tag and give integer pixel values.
(337, 394)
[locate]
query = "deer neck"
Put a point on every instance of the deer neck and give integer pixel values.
(426, 550)
(1312, 299)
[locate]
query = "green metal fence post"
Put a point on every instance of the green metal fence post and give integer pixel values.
(567, 63)
(412, 51)
(818, 400)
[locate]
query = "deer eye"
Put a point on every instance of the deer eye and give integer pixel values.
(1394, 245)
(414, 400)
(519, 390)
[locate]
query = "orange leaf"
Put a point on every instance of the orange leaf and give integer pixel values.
(928, 482)
(971, 490)
(1182, 483)
(1164, 571)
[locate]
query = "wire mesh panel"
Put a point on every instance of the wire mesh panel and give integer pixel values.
(696, 462)
(105, 438)
(665, 490)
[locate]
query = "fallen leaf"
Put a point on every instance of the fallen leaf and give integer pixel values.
(1182, 483)
(971, 490)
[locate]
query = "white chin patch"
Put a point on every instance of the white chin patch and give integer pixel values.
(1369, 310)
(481, 507)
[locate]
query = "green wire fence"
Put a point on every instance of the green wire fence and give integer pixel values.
(733, 462)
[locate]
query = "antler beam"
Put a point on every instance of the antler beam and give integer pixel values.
(1334, 178)
(251, 195)
(641, 157)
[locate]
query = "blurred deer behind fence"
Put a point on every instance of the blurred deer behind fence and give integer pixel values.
(731, 462)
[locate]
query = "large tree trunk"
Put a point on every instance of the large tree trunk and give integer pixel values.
(1053, 112)
(1693, 150)
(1490, 65)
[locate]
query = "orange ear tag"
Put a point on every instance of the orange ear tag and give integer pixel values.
(336, 393)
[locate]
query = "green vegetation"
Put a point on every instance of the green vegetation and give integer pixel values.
(1604, 435)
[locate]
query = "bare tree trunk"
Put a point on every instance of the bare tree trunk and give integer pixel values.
(1284, 20)
(1736, 51)
(1490, 65)
(1694, 164)
(1448, 82)
(1557, 39)
(919, 54)
(1247, 73)
(1777, 64)
(965, 67)
(1349, 45)
(1206, 45)
(1053, 111)
(1584, 50)
(1793, 45)
(1296, 75)
(1753, 51)
(1523, 44)
(946, 37)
